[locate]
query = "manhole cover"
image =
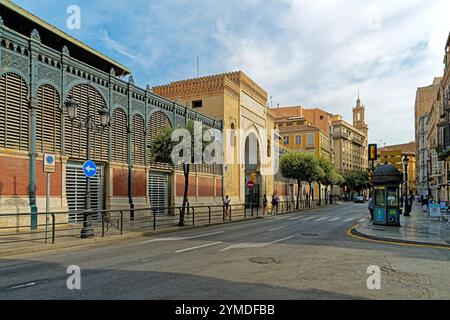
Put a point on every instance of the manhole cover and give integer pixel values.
(263, 260)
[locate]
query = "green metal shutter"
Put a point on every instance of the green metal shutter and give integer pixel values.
(48, 120)
(119, 136)
(75, 137)
(137, 141)
(76, 190)
(14, 112)
(158, 191)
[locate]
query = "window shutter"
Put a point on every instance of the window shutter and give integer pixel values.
(48, 120)
(138, 145)
(75, 137)
(119, 136)
(14, 114)
(157, 123)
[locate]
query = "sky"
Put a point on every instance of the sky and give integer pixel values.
(314, 53)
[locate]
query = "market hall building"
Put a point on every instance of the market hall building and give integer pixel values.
(40, 68)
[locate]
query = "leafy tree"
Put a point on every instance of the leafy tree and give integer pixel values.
(300, 166)
(161, 151)
(356, 180)
(326, 177)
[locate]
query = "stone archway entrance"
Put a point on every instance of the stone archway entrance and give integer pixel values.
(253, 179)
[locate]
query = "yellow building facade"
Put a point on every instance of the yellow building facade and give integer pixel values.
(351, 141)
(248, 122)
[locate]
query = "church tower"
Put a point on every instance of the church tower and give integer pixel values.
(359, 117)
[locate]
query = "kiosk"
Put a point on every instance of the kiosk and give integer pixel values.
(386, 195)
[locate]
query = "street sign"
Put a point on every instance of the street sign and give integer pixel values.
(250, 184)
(89, 168)
(49, 163)
(373, 150)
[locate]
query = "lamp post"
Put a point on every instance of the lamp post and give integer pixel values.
(88, 123)
(405, 164)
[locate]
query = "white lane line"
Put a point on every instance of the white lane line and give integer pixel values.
(199, 247)
(254, 245)
(322, 219)
(309, 218)
(361, 220)
(295, 218)
(334, 219)
(183, 238)
(349, 219)
(280, 218)
(274, 229)
(23, 285)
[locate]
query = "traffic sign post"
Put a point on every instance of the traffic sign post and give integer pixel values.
(49, 168)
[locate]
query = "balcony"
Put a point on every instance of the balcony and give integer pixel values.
(443, 147)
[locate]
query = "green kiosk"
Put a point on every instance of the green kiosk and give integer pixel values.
(386, 195)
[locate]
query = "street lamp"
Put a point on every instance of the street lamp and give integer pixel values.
(405, 164)
(88, 123)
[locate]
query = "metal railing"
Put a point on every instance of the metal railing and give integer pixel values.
(119, 221)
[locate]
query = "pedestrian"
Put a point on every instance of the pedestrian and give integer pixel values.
(273, 203)
(264, 204)
(370, 207)
(424, 203)
(226, 206)
(277, 202)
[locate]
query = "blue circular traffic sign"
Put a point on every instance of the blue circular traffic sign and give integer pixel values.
(89, 168)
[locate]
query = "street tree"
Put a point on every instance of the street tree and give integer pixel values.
(357, 180)
(162, 150)
(299, 166)
(326, 176)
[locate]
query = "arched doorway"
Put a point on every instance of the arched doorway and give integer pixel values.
(253, 179)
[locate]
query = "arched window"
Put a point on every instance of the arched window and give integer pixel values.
(48, 120)
(138, 143)
(119, 136)
(75, 137)
(157, 123)
(14, 114)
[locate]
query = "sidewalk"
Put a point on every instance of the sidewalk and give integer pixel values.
(419, 228)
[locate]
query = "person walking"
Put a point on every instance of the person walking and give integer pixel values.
(370, 207)
(264, 204)
(226, 206)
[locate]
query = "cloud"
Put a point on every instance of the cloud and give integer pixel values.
(308, 52)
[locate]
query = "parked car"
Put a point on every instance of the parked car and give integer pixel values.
(359, 199)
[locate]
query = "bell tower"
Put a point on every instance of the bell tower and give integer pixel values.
(359, 117)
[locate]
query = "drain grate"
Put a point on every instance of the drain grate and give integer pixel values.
(263, 260)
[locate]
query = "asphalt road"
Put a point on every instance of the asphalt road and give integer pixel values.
(304, 255)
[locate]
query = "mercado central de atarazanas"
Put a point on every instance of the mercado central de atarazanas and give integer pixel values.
(42, 67)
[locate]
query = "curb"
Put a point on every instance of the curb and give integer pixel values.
(353, 232)
(117, 238)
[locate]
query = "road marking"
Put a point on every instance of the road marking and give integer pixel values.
(277, 229)
(349, 219)
(183, 238)
(334, 219)
(254, 245)
(23, 285)
(295, 218)
(199, 247)
(309, 218)
(322, 219)
(281, 218)
(361, 220)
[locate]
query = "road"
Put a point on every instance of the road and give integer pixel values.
(304, 255)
